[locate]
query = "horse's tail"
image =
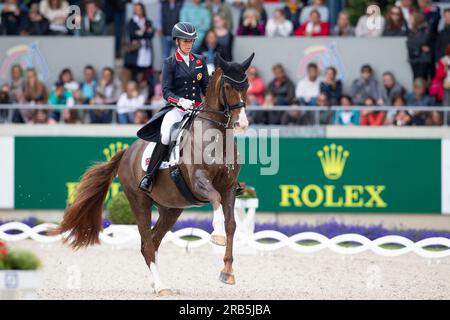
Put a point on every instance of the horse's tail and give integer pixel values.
(83, 219)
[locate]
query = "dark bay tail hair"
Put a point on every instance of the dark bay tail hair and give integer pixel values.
(83, 219)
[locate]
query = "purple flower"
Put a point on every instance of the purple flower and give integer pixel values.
(30, 221)
(329, 229)
(106, 223)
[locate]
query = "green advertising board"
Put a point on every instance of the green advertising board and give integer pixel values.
(314, 175)
(352, 175)
(48, 169)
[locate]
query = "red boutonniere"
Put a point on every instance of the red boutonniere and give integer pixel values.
(198, 62)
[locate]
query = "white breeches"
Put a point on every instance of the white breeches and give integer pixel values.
(171, 117)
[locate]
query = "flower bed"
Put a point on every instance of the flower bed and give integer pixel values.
(18, 271)
(30, 221)
(333, 228)
(17, 259)
(248, 192)
(329, 229)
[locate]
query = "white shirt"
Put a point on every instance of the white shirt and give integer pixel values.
(363, 30)
(278, 29)
(108, 91)
(447, 62)
(185, 57)
(307, 89)
(144, 58)
(346, 116)
(126, 104)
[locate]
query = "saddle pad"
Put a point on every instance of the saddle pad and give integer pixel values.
(173, 159)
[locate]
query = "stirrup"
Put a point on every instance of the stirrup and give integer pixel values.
(148, 184)
(159, 152)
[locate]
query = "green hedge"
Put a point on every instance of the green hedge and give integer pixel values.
(119, 210)
(18, 259)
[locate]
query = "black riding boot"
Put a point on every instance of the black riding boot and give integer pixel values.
(155, 161)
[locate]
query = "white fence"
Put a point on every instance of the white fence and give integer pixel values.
(118, 235)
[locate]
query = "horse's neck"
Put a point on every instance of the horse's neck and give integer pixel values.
(212, 104)
(211, 120)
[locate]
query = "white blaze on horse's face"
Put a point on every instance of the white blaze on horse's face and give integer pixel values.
(242, 122)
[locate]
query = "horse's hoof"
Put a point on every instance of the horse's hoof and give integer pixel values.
(227, 278)
(218, 240)
(165, 293)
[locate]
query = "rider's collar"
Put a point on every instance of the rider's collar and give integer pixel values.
(179, 55)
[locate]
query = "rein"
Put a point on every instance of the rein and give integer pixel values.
(227, 108)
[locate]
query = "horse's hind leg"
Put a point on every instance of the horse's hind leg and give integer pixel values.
(166, 220)
(141, 205)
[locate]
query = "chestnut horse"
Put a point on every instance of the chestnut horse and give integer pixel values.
(222, 111)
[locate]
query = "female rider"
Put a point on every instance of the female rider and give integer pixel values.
(184, 81)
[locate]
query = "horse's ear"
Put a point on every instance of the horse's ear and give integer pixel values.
(220, 62)
(246, 63)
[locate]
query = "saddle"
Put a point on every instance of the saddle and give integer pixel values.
(173, 153)
(171, 161)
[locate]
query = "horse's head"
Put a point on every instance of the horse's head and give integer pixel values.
(231, 85)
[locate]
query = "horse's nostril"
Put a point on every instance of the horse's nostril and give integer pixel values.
(243, 124)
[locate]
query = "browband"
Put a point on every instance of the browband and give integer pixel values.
(236, 83)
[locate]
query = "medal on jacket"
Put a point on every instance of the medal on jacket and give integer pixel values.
(199, 76)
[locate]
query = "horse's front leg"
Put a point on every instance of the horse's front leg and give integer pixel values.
(228, 199)
(203, 187)
(223, 205)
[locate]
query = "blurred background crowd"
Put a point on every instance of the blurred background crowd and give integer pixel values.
(136, 81)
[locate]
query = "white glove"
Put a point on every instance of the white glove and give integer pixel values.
(185, 104)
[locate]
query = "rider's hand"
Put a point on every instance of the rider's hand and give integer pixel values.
(185, 104)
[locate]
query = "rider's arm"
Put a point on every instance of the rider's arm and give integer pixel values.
(167, 84)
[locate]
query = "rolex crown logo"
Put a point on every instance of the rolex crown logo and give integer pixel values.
(333, 160)
(113, 148)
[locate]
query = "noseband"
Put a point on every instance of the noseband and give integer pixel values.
(226, 112)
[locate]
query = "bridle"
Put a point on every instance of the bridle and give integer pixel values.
(237, 84)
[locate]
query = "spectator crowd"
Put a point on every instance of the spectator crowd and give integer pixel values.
(428, 47)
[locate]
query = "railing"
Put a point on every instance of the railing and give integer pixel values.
(10, 108)
(120, 235)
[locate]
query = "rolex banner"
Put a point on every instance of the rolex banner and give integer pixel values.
(293, 175)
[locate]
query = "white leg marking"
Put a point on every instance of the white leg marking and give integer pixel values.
(159, 285)
(219, 222)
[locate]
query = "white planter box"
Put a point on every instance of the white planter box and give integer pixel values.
(16, 284)
(245, 210)
(246, 203)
